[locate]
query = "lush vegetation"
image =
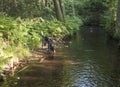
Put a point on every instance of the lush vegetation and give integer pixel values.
(108, 19)
(24, 23)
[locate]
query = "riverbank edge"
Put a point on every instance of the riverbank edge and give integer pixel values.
(38, 54)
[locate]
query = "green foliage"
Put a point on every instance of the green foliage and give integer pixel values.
(14, 38)
(75, 5)
(20, 35)
(108, 19)
(53, 27)
(3, 61)
(73, 23)
(26, 8)
(108, 23)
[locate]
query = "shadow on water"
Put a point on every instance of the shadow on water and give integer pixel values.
(89, 61)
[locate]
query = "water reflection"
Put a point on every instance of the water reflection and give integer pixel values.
(116, 71)
(99, 60)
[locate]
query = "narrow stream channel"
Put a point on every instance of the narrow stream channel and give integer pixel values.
(91, 60)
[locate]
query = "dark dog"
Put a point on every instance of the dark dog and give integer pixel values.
(51, 50)
(44, 41)
(49, 42)
(51, 47)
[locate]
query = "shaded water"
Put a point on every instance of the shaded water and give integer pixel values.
(90, 61)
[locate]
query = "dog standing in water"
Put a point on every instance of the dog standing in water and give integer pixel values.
(51, 48)
(44, 41)
(50, 45)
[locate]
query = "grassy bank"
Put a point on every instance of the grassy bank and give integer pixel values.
(18, 37)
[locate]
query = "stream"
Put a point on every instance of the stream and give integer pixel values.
(90, 60)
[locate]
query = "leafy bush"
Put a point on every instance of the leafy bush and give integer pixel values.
(73, 23)
(53, 27)
(13, 33)
(18, 36)
(108, 19)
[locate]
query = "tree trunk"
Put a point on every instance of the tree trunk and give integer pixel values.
(46, 3)
(1, 6)
(73, 8)
(59, 13)
(62, 6)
